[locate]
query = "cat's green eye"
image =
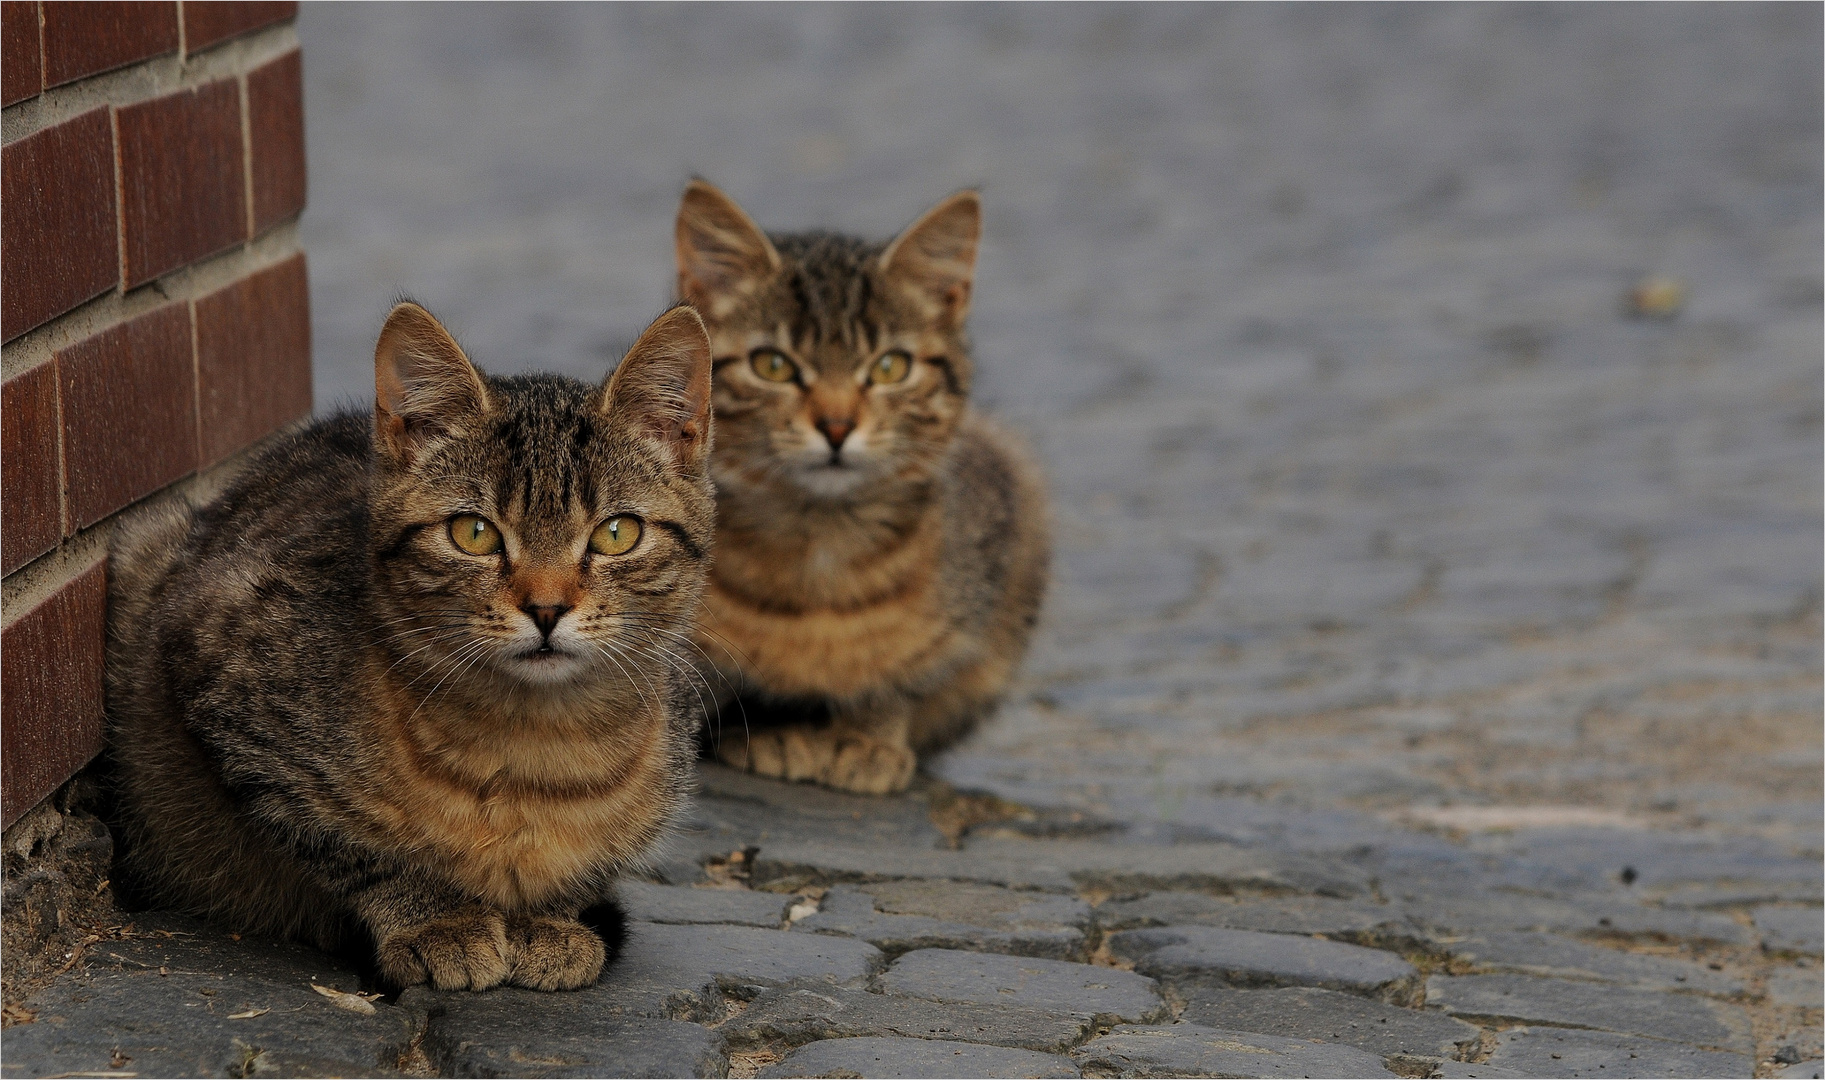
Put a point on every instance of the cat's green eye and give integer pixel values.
(616, 536)
(772, 365)
(890, 368)
(475, 534)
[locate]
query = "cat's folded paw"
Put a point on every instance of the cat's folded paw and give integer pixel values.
(844, 759)
(461, 952)
(554, 953)
(785, 753)
(870, 766)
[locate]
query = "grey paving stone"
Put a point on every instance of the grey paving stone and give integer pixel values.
(1185, 956)
(1591, 859)
(1737, 894)
(645, 902)
(797, 864)
(1632, 920)
(1447, 913)
(1799, 1044)
(682, 972)
(1796, 986)
(1550, 954)
(904, 915)
(1362, 922)
(1791, 929)
(1219, 867)
(1057, 866)
(1459, 1070)
(891, 1057)
(523, 1033)
(161, 939)
(195, 1023)
(1106, 994)
(1805, 1070)
(1542, 1051)
(1192, 1050)
(800, 1014)
(1309, 1013)
(1525, 999)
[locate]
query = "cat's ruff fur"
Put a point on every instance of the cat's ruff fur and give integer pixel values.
(328, 722)
(882, 549)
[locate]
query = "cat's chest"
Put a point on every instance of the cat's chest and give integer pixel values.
(828, 649)
(522, 852)
(520, 840)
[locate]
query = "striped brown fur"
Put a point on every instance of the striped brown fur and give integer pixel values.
(881, 547)
(329, 721)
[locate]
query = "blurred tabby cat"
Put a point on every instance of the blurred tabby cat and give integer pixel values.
(410, 682)
(881, 549)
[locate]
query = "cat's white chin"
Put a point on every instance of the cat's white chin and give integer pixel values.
(830, 481)
(548, 668)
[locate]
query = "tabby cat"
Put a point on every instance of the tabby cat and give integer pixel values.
(412, 680)
(881, 549)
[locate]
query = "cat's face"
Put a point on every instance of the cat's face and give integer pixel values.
(536, 527)
(840, 366)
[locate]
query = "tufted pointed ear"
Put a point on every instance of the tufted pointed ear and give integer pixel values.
(722, 255)
(423, 384)
(934, 260)
(661, 390)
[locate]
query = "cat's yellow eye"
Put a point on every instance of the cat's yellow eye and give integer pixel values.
(616, 536)
(890, 368)
(475, 534)
(772, 365)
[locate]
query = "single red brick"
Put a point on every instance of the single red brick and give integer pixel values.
(51, 691)
(83, 39)
(31, 485)
(275, 115)
(129, 412)
(21, 66)
(253, 358)
(207, 22)
(58, 244)
(183, 190)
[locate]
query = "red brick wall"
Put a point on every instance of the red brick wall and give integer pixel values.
(153, 307)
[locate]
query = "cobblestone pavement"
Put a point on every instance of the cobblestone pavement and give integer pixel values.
(1431, 683)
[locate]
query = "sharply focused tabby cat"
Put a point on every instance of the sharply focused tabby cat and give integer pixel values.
(412, 677)
(881, 549)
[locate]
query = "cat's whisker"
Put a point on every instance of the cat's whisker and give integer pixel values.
(682, 639)
(657, 698)
(447, 628)
(682, 663)
(448, 658)
(685, 668)
(712, 716)
(472, 648)
(721, 642)
(474, 658)
(422, 648)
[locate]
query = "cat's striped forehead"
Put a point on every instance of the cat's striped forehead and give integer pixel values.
(548, 452)
(827, 294)
(547, 441)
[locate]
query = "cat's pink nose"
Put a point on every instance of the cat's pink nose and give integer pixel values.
(545, 616)
(835, 429)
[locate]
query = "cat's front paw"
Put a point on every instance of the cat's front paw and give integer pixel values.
(783, 753)
(870, 766)
(460, 952)
(841, 758)
(554, 953)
